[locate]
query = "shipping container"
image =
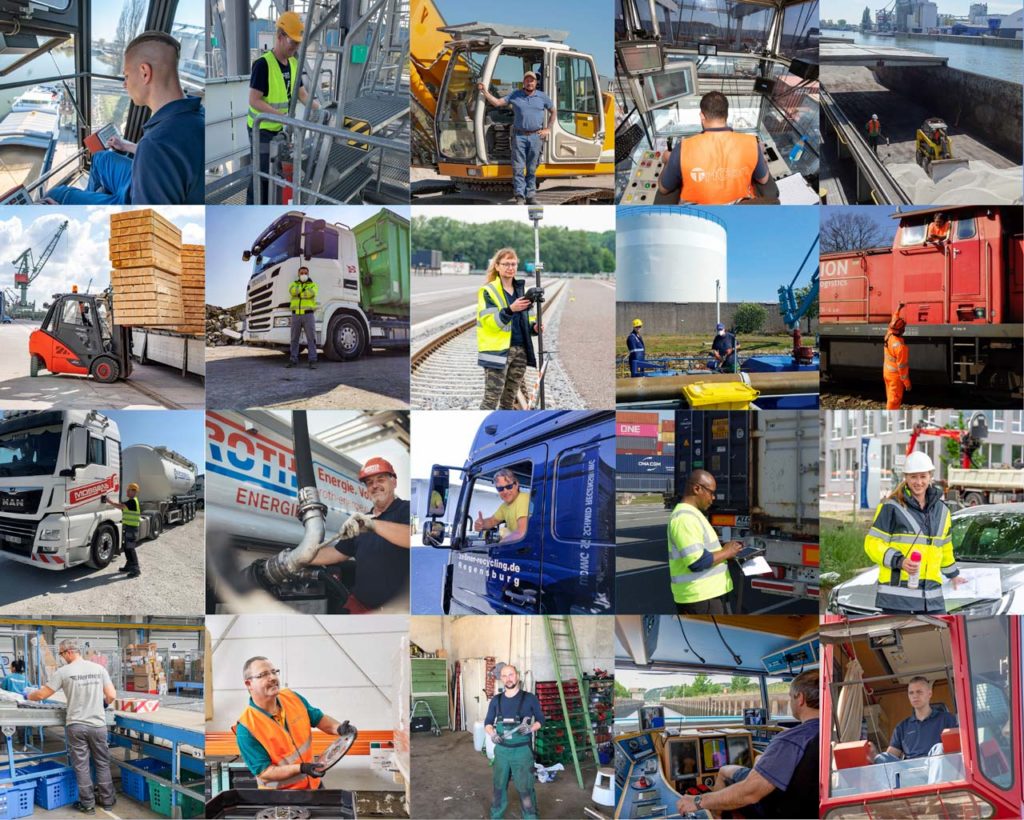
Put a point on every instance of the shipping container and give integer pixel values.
(643, 482)
(624, 428)
(430, 260)
(642, 464)
(636, 443)
(719, 443)
(635, 417)
(642, 451)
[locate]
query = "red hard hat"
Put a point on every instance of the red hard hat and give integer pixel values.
(376, 466)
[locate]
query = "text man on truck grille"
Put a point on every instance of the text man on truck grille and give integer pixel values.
(696, 558)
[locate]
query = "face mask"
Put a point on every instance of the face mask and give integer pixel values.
(303, 277)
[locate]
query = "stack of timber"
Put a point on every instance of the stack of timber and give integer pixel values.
(145, 250)
(193, 289)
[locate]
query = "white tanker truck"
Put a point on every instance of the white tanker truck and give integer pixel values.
(166, 482)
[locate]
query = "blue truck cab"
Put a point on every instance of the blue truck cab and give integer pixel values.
(564, 562)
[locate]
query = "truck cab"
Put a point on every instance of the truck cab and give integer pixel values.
(564, 562)
(704, 693)
(55, 466)
(973, 665)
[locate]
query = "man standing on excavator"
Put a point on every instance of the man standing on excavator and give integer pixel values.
(896, 369)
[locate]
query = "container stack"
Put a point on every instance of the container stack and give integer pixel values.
(193, 289)
(145, 251)
(642, 462)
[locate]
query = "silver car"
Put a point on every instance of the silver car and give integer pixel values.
(989, 536)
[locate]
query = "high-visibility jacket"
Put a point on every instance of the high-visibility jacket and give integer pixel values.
(938, 232)
(896, 365)
(303, 296)
(291, 743)
(898, 530)
(689, 535)
(874, 128)
(494, 325)
(635, 345)
(131, 515)
(716, 167)
(278, 94)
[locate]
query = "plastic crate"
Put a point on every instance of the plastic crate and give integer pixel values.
(728, 396)
(136, 785)
(16, 801)
(160, 798)
(56, 790)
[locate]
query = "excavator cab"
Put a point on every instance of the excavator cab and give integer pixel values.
(78, 336)
(935, 150)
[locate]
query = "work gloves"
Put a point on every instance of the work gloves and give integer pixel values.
(311, 770)
(357, 523)
(344, 728)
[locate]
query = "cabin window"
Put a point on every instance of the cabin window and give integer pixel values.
(965, 229)
(97, 450)
(490, 499)
(988, 658)
(912, 235)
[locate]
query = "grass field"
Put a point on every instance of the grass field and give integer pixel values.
(842, 550)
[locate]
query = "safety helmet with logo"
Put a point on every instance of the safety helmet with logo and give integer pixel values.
(133, 486)
(918, 462)
(376, 466)
(291, 24)
(637, 323)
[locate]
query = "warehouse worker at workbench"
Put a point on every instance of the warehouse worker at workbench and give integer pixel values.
(167, 167)
(696, 558)
(275, 732)
(87, 689)
(274, 81)
(507, 726)
(379, 540)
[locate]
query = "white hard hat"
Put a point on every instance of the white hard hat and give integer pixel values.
(918, 462)
(874, 116)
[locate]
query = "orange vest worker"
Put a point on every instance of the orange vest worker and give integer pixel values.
(874, 127)
(896, 370)
(287, 742)
(716, 167)
(938, 233)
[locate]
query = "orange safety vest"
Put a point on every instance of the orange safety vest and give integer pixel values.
(936, 232)
(897, 359)
(874, 126)
(291, 745)
(717, 166)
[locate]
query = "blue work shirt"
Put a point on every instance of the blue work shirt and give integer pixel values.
(528, 109)
(636, 346)
(727, 341)
(15, 682)
(168, 165)
(779, 761)
(255, 756)
(915, 738)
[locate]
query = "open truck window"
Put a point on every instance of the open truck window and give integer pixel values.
(486, 499)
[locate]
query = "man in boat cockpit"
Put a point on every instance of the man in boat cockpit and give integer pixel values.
(167, 163)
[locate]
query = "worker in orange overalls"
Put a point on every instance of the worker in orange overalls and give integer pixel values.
(896, 370)
(938, 230)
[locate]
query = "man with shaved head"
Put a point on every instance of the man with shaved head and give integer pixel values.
(696, 558)
(167, 167)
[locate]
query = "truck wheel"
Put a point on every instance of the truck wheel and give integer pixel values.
(35, 364)
(101, 551)
(156, 525)
(345, 339)
(105, 369)
(973, 499)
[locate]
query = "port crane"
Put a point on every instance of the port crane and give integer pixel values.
(27, 269)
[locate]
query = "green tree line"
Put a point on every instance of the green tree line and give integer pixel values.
(562, 250)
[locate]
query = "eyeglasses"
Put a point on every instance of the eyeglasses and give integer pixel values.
(262, 675)
(504, 487)
(708, 490)
(509, 264)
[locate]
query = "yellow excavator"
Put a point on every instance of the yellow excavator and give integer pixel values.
(458, 135)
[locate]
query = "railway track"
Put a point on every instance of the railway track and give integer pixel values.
(445, 373)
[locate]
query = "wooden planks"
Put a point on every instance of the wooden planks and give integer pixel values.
(157, 281)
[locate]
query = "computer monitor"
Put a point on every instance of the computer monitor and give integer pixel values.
(755, 717)
(675, 82)
(740, 752)
(714, 753)
(640, 56)
(652, 717)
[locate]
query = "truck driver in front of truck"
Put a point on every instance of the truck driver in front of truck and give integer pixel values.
(514, 510)
(131, 515)
(378, 540)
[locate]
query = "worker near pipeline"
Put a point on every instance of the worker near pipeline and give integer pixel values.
(717, 166)
(165, 167)
(910, 542)
(874, 128)
(513, 512)
(896, 364)
(131, 517)
(275, 80)
(303, 293)
(696, 558)
(378, 540)
(513, 718)
(938, 230)
(530, 126)
(637, 349)
(275, 732)
(723, 349)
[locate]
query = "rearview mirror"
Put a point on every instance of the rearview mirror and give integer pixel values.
(78, 454)
(433, 534)
(437, 495)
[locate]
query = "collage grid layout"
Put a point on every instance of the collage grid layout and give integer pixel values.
(431, 409)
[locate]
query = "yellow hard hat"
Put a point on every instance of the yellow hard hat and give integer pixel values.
(291, 24)
(637, 323)
(133, 486)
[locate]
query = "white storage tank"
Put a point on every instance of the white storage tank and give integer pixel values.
(159, 472)
(669, 253)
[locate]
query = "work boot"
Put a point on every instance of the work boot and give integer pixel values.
(134, 573)
(109, 805)
(124, 569)
(519, 200)
(290, 364)
(531, 200)
(79, 806)
(312, 365)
